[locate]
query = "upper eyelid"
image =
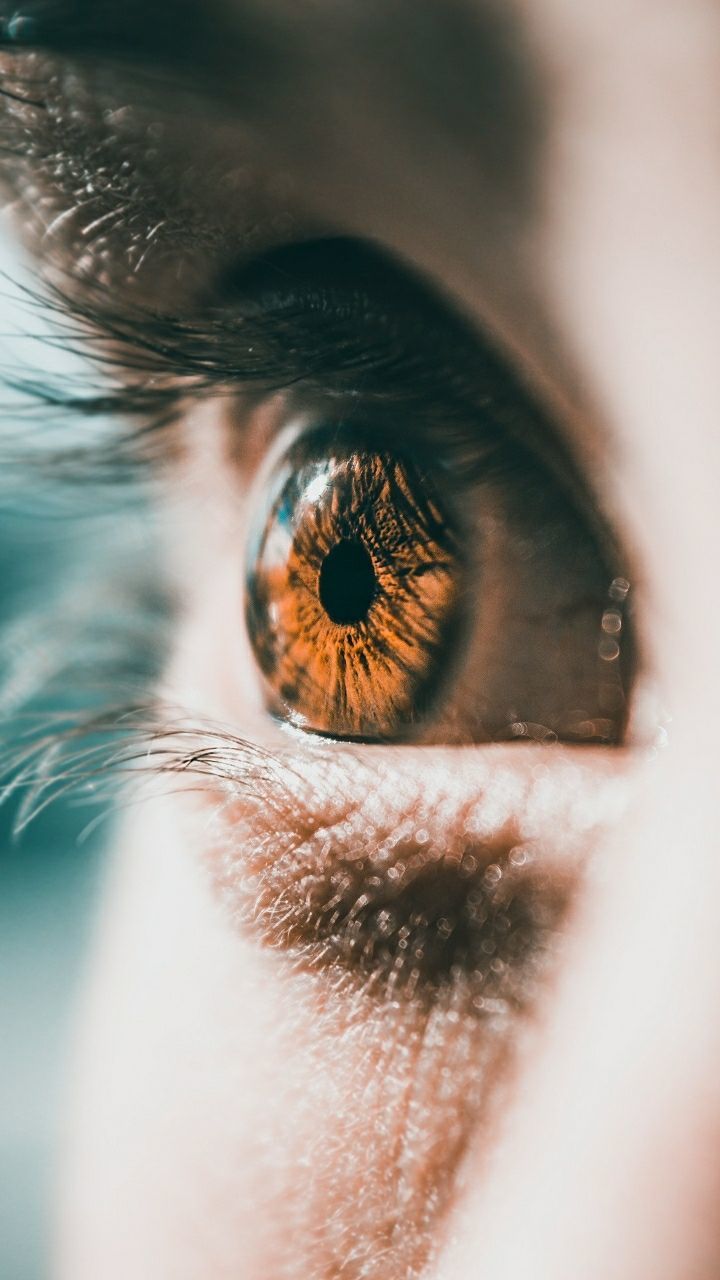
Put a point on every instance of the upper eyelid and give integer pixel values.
(330, 340)
(320, 337)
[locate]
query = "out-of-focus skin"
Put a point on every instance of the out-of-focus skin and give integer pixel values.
(240, 1117)
(612, 1166)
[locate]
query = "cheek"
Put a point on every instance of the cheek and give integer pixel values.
(171, 1066)
(233, 1117)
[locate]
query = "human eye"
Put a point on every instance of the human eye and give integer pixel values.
(414, 570)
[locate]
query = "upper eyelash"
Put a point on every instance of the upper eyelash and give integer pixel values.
(390, 361)
(328, 341)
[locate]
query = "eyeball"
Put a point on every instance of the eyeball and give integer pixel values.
(354, 582)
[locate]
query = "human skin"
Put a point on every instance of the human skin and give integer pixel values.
(240, 1116)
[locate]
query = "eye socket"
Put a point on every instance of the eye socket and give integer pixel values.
(426, 562)
(352, 591)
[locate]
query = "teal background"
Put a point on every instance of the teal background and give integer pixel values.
(50, 536)
(48, 880)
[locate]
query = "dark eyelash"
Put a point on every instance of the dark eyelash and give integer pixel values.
(272, 337)
(332, 319)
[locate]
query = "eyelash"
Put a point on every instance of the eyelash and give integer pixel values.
(327, 343)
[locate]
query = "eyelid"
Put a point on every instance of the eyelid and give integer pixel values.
(344, 322)
(377, 823)
(322, 333)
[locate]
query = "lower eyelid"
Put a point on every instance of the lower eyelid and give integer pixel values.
(413, 869)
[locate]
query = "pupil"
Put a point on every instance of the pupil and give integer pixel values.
(347, 582)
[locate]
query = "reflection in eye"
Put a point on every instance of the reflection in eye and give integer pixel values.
(353, 591)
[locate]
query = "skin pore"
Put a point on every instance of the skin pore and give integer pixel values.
(252, 1101)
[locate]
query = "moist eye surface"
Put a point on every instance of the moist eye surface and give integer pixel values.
(355, 578)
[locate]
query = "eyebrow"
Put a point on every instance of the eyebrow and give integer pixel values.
(312, 79)
(416, 124)
(455, 55)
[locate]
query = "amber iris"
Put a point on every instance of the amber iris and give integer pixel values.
(353, 583)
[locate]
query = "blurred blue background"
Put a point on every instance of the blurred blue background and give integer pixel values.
(49, 877)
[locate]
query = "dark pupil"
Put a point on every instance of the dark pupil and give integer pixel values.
(347, 582)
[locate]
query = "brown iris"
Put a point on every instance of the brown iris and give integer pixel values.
(351, 590)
